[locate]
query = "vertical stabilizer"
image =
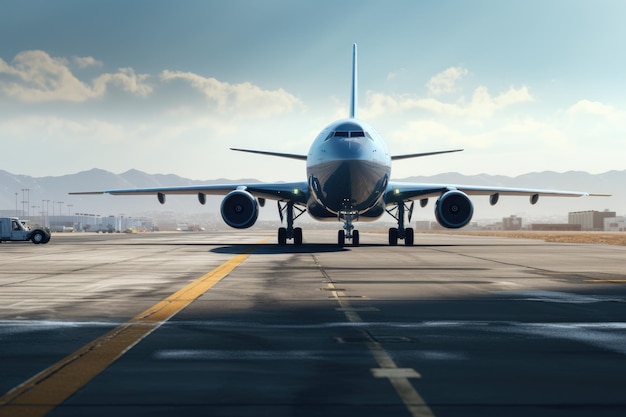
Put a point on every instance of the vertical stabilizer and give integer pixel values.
(354, 96)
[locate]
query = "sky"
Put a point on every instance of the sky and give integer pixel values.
(169, 86)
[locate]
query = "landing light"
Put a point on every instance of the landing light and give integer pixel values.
(296, 191)
(396, 191)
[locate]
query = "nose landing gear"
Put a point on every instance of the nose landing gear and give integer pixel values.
(348, 215)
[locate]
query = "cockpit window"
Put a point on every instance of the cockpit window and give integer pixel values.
(348, 130)
(348, 134)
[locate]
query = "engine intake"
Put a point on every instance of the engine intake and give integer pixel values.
(239, 209)
(454, 209)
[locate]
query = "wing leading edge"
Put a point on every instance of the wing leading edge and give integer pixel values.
(296, 192)
(399, 191)
(279, 154)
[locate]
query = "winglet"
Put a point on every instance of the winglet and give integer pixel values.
(354, 96)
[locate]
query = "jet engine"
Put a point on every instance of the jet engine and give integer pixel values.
(454, 209)
(239, 209)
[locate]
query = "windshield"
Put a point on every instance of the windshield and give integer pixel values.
(16, 225)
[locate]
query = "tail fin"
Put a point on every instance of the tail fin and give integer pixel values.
(354, 96)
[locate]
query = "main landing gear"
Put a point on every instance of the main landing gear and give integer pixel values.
(289, 232)
(407, 234)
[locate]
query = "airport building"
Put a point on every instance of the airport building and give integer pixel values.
(615, 224)
(512, 223)
(590, 220)
(82, 222)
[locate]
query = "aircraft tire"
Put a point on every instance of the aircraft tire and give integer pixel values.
(297, 236)
(409, 236)
(282, 236)
(341, 238)
(355, 238)
(393, 236)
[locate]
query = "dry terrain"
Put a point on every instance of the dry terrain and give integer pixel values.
(606, 238)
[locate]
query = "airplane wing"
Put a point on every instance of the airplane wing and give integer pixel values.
(280, 154)
(400, 191)
(296, 192)
(418, 155)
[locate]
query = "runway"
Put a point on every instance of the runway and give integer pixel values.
(231, 324)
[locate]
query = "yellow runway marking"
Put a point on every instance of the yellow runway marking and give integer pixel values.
(605, 281)
(40, 394)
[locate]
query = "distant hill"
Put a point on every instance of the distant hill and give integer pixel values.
(55, 189)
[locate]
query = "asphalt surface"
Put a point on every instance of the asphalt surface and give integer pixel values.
(454, 326)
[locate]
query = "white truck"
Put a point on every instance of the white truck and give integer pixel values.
(12, 229)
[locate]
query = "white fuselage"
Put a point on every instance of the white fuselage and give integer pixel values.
(348, 168)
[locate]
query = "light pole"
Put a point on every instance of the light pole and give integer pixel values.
(44, 212)
(69, 206)
(24, 200)
(47, 218)
(34, 210)
(28, 202)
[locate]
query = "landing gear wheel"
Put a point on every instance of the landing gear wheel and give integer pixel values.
(282, 236)
(409, 236)
(341, 238)
(355, 238)
(297, 236)
(393, 236)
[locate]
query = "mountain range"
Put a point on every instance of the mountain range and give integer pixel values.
(33, 193)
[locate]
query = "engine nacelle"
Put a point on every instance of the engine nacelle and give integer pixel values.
(454, 209)
(239, 209)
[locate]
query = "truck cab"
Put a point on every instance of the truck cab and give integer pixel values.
(12, 229)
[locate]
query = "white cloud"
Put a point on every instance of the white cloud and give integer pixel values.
(481, 106)
(595, 108)
(63, 131)
(445, 81)
(244, 97)
(379, 104)
(35, 76)
(86, 61)
(126, 79)
(424, 131)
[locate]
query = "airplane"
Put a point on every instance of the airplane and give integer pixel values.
(348, 170)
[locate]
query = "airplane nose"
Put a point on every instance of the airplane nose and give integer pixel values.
(348, 148)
